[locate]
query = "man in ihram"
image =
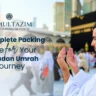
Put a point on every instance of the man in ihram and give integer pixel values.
(82, 84)
(26, 76)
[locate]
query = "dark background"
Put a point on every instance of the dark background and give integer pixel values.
(88, 18)
(78, 40)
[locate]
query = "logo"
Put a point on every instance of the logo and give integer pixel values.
(9, 16)
(15, 24)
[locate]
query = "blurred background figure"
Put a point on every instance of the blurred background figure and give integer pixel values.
(26, 75)
(57, 71)
(48, 73)
(83, 63)
(36, 70)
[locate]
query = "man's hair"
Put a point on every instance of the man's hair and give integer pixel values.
(94, 26)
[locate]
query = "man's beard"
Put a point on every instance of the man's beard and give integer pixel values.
(95, 51)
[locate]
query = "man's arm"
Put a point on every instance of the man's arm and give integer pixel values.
(75, 85)
(66, 75)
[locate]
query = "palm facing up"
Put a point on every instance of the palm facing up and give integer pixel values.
(63, 65)
(72, 61)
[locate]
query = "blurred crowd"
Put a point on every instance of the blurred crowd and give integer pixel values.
(86, 61)
(38, 76)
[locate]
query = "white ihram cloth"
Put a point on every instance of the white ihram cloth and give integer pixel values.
(81, 84)
(47, 84)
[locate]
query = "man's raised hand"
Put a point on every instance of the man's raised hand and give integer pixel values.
(72, 61)
(61, 60)
(63, 65)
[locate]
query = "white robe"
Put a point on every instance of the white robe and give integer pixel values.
(48, 83)
(36, 70)
(82, 84)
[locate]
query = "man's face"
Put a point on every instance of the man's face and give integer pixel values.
(93, 43)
